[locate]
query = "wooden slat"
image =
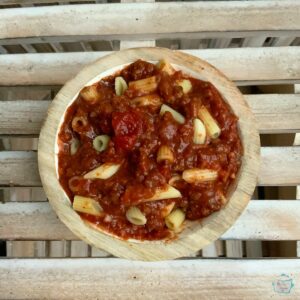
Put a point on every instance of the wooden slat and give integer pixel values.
(26, 92)
(20, 142)
(256, 41)
(20, 248)
(134, 44)
(79, 249)
(279, 166)
(219, 43)
(24, 117)
(95, 252)
(19, 168)
(41, 249)
(191, 279)
(275, 113)
(243, 65)
(254, 248)
(234, 249)
(59, 248)
(26, 249)
(262, 220)
(151, 19)
(283, 41)
(215, 249)
(23, 194)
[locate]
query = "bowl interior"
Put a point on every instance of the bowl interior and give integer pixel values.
(196, 234)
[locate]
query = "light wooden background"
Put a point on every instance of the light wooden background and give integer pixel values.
(278, 123)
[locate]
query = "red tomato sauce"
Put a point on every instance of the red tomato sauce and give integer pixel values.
(136, 134)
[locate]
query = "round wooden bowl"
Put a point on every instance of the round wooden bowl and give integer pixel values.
(196, 234)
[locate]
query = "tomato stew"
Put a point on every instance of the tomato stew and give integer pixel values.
(137, 130)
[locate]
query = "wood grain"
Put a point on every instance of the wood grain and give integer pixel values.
(19, 168)
(59, 248)
(151, 20)
(192, 279)
(79, 249)
(262, 220)
(20, 248)
(195, 236)
(234, 249)
(243, 65)
(26, 249)
(275, 113)
(279, 166)
(215, 249)
(22, 117)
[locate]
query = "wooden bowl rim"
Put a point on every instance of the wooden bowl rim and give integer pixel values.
(195, 236)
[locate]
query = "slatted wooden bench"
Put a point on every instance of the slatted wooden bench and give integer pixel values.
(29, 227)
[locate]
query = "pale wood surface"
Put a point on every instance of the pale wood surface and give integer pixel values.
(275, 113)
(19, 168)
(59, 248)
(79, 249)
(234, 249)
(262, 220)
(278, 169)
(192, 279)
(195, 236)
(23, 194)
(29, 120)
(41, 249)
(20, 248)
(256, 41)
(26, 249)
(25, 93)
(95, 252)
(133, 44)
(279, 166)
(214, 249)
(151, 19)
(243, 65)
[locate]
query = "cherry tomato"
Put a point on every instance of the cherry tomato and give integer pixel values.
(127, 126)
